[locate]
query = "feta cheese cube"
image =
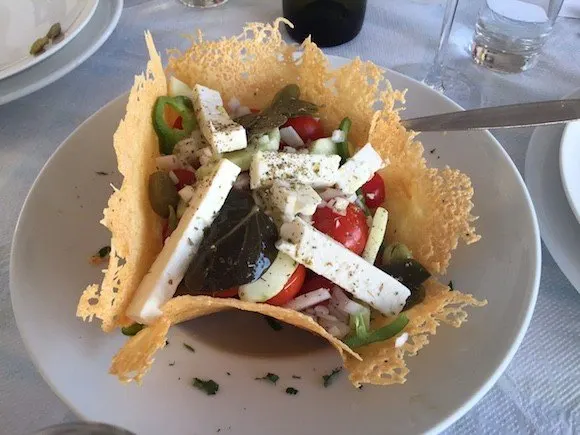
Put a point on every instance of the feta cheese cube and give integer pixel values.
(217, 127)
(315, 170)
(160, 283)
(325, 256)
(359, 169)
(293, 199)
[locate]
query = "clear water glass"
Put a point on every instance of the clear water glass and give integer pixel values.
(509, 34)
(203, 3)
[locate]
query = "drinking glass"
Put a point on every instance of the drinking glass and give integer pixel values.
(509, 34)
(203, 3)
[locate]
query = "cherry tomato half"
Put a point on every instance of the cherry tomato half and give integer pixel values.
(178, 123)
(374, 191)
(307, 127)
(185, 177)
(351, 229)
(291, 288)
(229, 293)
(314, 283)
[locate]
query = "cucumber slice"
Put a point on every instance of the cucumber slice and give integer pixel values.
(243, 158)
(204, 171)
(268, 142)
(376, 235)
(176, 87)
(324, 146)
(271, 282)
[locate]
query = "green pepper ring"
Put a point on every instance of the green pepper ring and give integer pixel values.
(169, 136)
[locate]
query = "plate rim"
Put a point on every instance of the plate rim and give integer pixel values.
(470, 401)
(565, 143)
(59, 72)
(86, 13)
(560, 258)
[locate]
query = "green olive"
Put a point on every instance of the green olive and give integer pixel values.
(37, 46)
(171, 220)
(396, 252)
(162, 193)
(54, 31)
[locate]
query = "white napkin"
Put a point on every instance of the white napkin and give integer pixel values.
(570, 9)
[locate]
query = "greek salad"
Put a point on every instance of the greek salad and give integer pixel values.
(264, 205)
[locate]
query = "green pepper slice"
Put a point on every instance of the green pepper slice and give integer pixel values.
(169, 136)
(342, 147)
(388, 331)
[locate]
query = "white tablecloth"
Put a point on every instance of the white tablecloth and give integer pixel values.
(533, 396)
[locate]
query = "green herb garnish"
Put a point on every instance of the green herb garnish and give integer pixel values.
(269, 377)
(329, 378)
(450, 285)
(274, 323)
(188, 347)
(132, 329)
(291, 391)
(210, 386)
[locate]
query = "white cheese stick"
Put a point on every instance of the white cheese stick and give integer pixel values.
(312, 169)
(217, 127)
(376, 235)
(168, 269)
(328, 258)
(359, 169)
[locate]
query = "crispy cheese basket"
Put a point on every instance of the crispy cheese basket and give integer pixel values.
(429, 209)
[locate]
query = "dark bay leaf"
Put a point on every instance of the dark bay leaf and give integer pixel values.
(284, 105)
(236, 249)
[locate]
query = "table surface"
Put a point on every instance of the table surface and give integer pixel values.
(533, 395)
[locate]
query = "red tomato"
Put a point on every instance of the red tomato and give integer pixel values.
(351, 230)
(229, 293)
(374, 191)
(307, 127)
(178, 123)
(185, 177)
(291, 288)
(314, 283)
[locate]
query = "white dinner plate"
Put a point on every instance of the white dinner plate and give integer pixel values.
(570, 165)
(559, 227)
(89, 39)
(24, 21)
(58, 229)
